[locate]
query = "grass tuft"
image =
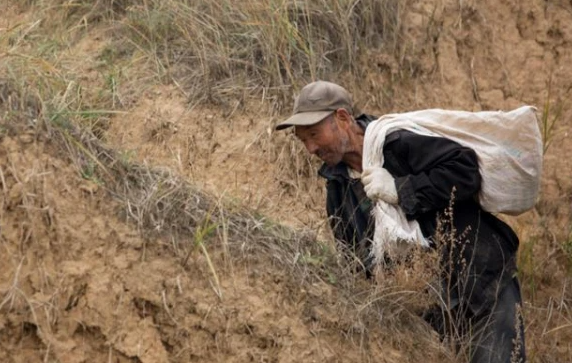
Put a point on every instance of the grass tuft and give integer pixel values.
(232, 46)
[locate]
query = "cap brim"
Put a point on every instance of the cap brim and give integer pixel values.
(304, 119)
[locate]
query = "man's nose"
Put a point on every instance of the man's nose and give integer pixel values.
(311, 147)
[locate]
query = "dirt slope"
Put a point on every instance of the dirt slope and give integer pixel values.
(80, 284)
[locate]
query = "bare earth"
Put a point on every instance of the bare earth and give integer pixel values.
(80, 284)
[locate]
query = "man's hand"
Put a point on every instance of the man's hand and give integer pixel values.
(379, 185)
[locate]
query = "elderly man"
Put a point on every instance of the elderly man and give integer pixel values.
(434, 180)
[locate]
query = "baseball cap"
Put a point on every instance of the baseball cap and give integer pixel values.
(315, 102)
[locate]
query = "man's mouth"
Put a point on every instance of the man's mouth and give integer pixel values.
(326, 158)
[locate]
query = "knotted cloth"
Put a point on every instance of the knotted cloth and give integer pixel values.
(509, 150)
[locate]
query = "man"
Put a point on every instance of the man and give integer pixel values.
(435, 181)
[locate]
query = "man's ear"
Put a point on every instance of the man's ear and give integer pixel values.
(344, 118)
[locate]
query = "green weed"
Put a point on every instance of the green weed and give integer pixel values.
(527, 267)
(551, 116)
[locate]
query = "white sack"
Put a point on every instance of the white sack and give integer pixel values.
(508, 146)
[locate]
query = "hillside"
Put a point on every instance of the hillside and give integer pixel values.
(149, 212)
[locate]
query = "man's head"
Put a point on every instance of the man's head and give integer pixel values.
(317, 101)
(328, 139)
(323, 121)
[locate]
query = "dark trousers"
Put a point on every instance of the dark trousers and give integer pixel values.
(495, 335)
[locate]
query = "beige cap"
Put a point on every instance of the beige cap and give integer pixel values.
(317, 101)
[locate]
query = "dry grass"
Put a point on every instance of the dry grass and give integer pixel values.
(234, 47)
(215, 50)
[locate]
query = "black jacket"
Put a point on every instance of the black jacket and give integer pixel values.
(478, 249)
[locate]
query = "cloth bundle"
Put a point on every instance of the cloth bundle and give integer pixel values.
(509, 148)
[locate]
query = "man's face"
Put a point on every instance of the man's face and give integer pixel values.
(325, 139)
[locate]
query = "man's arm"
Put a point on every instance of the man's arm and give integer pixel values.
(350, 221)
(435, 167)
